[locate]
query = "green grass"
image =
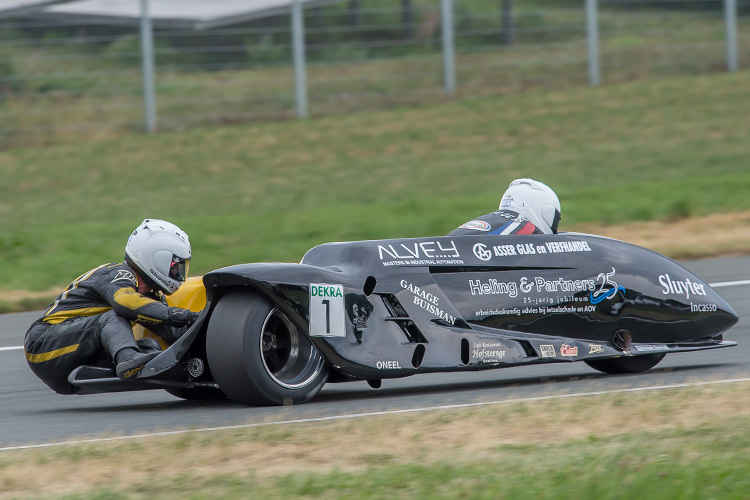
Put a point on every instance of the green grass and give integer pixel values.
(58, 92)
(661, 465)
(694, 463)
(661, 149)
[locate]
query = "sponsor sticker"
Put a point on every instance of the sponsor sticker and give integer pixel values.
(558, 285)
(594, 348)
(651, 347)
(428, 301)
(683, 288)
(607, 289)
(702, 307)
(548, 351)
(493, 287)
(567, 246)
(388, 365)
(476, 225)
(160, 279)
(423, 253)
(567, 350)
(481, 313)
(327, 311)
(359, 316)
(123, 275)
(482, 252)
(485, 253)
(488, 352)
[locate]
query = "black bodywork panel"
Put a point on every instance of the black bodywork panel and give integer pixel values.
(393, 308)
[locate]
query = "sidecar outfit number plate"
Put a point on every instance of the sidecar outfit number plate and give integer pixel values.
(327, 315)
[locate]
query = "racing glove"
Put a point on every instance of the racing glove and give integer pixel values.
(180, 317)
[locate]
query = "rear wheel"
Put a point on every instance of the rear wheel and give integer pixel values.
(629, 364)
(258, 356)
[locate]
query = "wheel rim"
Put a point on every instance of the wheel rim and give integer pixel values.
(289, 358)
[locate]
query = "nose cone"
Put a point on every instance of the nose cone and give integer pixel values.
(695, 310)
(717, 315)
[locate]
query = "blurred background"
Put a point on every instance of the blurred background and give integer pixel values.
(77, 67)
(266, 127)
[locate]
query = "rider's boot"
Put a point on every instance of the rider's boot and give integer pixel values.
(129, 362)
(117, 338)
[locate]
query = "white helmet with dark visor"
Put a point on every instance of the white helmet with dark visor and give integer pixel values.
(160, 252)
(534, 200)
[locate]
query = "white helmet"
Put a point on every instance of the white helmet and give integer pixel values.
(160, 252)
(535, 201)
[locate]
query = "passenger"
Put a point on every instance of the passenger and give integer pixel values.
(527, 207)
(90, 322)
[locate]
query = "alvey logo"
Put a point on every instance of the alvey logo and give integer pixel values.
(325, 291)
(421, 250)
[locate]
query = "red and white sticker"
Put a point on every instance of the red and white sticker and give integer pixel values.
(477, 225)
(567, 350)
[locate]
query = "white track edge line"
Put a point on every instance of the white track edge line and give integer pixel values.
(729, 283)
(377, 413)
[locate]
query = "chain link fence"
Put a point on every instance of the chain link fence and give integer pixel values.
(66, 78)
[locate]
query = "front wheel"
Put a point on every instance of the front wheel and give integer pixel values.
(625, 364)
(258, 356)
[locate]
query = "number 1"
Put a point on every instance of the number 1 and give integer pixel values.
(326, 302)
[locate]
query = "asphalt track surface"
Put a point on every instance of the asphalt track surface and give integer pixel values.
(30, 413)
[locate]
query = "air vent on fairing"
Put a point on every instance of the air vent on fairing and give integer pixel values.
(398, 314)
(622, 340)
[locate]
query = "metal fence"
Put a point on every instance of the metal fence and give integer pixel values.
(67, 78)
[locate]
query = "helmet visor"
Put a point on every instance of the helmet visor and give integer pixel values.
(556, 222)
(178, 270)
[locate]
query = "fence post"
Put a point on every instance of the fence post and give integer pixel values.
(147, 64)
(592, 37)
(506, 8)
(407, 16)
(354, 12)
(449, 55)
(730, 18)
(298, 48)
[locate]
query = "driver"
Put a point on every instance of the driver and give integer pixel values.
(91, 321)
(527, 207)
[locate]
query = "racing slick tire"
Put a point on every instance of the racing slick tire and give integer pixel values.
(258, 355)
(630, 364)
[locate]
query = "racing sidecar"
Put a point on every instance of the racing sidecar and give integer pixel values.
(275, 333)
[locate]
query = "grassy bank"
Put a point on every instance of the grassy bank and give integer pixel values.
(661, 150)
(58, 83)
(676, 443)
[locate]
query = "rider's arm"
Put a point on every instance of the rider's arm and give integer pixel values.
(120, 290)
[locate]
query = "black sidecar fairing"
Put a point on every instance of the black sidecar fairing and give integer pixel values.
(392, 308)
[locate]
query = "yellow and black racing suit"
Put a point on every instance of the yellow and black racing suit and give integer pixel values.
(92, 320)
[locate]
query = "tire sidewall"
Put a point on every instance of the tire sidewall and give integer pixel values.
(235, 355)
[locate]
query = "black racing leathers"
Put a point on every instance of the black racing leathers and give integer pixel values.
(91, 321)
